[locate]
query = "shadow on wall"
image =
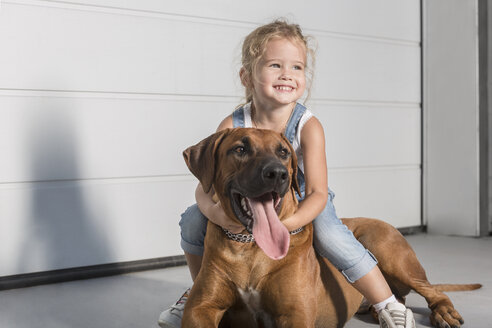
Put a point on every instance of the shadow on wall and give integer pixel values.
(62, 229)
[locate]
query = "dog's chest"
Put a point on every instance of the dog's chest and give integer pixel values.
(251, 298)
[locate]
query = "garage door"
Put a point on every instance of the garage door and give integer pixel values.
(99, 98)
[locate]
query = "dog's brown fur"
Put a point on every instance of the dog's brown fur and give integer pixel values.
(239, 286)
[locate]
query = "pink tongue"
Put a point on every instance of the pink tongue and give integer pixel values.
(270, 234)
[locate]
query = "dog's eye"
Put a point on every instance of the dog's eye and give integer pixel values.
(239, 150)
(283, 152)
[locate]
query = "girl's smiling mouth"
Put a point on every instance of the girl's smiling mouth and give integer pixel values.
(283, 88)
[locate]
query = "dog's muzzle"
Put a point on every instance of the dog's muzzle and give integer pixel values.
(256, 198)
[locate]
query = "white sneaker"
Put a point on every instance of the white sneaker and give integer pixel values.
(171, 318)
(396, 315)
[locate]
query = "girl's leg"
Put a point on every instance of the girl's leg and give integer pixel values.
(194, 264)
(334, 241)
(373, 286)
(193, 228)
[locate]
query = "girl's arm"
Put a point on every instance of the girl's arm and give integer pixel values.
(315, 174)
(212, 210)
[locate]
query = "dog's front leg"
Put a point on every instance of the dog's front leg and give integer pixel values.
(208, 300)
(291, 310)
(297, 319)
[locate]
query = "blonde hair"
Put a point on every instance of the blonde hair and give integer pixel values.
(254, 47)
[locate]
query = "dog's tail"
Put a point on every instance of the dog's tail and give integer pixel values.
(456, 287)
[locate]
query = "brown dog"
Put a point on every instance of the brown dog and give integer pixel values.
(278, 280)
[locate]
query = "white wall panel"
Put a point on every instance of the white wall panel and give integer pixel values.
(355, 69)
(55, 225)
(452, 141)
(370, 135)
(64, 49)
(389, 194)
(359, 17)
(70, 137)
(138, 54)
(63, 137)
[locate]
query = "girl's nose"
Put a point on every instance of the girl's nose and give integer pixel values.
(285, 76)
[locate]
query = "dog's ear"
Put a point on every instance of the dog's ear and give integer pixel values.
(200, 158)
(293, 162)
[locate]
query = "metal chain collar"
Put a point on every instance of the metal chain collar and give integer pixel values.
(248, 238)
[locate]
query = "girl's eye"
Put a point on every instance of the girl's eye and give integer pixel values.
(275, 65)
(297, 67)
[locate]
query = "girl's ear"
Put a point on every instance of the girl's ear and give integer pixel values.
(245, 78)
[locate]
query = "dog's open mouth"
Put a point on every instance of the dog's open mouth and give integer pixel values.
(243, 206)
(260, 217)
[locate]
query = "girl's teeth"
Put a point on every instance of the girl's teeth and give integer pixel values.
(284, 88)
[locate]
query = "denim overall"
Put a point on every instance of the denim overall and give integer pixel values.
(332, 239)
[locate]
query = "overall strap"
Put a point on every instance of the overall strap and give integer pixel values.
(290, 134)
(238, 118)
(291, 129)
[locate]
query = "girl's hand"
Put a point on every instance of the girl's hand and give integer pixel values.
(218, 216)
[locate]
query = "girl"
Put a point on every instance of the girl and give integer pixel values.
(274, 59)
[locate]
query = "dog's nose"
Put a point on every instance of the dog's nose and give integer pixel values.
(275, 173)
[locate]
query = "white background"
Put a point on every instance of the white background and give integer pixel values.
(99, 98)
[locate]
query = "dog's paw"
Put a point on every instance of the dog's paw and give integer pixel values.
(446, 316)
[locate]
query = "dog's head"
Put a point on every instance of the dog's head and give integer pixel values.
(253, 173)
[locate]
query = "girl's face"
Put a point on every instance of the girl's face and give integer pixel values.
(280, 78)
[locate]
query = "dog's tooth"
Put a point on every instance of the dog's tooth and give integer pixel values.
(243, 204)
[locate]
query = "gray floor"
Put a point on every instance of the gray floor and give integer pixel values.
(135, 300)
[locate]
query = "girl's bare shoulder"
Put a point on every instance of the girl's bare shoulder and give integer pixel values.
(312, 130)
(226, 123)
